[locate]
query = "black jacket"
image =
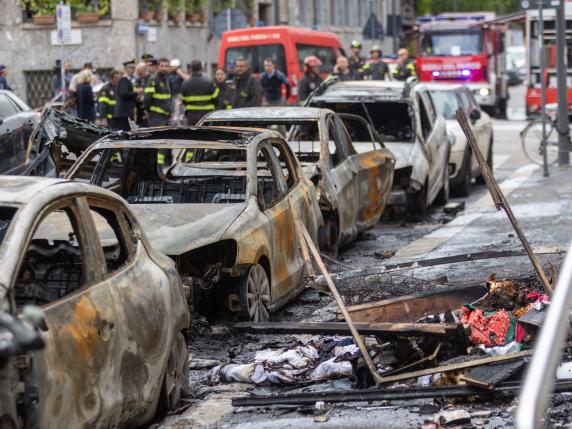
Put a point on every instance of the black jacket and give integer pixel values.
(125, 105)
(244, 91)
(158, 95)
(199, 93)
(222, 101)
(376, 71)
(307, 85)
(85, 102)
(106, 101)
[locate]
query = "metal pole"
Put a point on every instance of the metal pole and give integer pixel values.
(562, 125)
(228, 20)
(540, 374)
(542, 84)
(394, 20)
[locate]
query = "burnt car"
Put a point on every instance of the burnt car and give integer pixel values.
(223, 209)
(17, 120)
(353, 183)
(404, 116)
(115, 312)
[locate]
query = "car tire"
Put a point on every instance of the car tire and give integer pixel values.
(417, 202)
(176, 379)
(329, 235)
(480, 179)
(255, 294)
(463, 187)
(443, 196)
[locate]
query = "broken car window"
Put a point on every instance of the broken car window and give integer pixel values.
(110, 237)
(53, 264)
(446, 103)
(6, 215)
(270, 182)
(337, 150)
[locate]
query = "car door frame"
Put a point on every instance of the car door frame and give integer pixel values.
(12, 137)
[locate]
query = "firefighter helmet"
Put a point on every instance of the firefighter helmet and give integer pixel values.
(312, 61)
(356, 44)
(375, 48)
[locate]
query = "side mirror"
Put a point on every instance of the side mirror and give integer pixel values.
(475, 115)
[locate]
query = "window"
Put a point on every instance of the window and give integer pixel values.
(111, 237)
(6, 215)
(349, 13)
(451, 44)
(446, 103)
(425, 121)
(428, 102)
(321, 12)
(286, 165)
(335, 13)
(337, 149)
(53, 265)
(255, 55)
(324, 53)
(7, 108)
(270, 182)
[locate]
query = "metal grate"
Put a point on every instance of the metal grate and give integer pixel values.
(38, 87)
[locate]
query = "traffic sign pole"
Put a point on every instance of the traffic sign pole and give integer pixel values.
(562, 125)
(63, 15)
(542, 86)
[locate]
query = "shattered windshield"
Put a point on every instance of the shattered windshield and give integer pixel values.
(6, 215)
(451, 44)
(169, 176)
(446, 103)
(391, 119)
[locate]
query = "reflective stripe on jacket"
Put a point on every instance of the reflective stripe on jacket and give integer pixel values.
(199, 93)
(106, 101)
(158, 95)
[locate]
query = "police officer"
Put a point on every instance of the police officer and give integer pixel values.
(311, 79)
(199, 93)
(106, 100)
(245, 89)
(376, 68)
(157, 99)
(404, 69)
(125, 98)
(356, 61)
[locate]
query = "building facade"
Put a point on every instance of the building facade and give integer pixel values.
(30, 50)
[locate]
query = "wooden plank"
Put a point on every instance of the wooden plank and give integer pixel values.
(411, 308)
(332, 328)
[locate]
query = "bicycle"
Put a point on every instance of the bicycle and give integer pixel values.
(531, 138)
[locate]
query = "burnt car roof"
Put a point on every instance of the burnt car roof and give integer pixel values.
(366, 89)
(276, 113)
(22, 189)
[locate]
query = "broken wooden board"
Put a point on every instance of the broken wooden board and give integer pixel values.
(333, 328)
(411, 308)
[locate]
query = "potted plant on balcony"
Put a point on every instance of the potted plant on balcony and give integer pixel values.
(175, 9)
(89, 11)
(44, 11)
(150, 9)
(221, 5)
(195, 10)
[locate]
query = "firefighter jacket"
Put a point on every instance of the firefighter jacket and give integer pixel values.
(307, 85)
(106, 101)
(375, 71)
(158, 95)
(199, 94)
(402, 72)
(244, 91)
(356, 66)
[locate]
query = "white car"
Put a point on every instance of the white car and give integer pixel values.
(463, 166)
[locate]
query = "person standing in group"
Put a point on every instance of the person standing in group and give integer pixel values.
(106, 101)
(376, 68)
(311, 79)
(126, 97)
(342, 70)
(3, 76)
(245, 89)
(405, 69)
(221, 83)
(356, 61)
(140, 81)
(176, 78)
(199, 93)
(84, 94)
(271, 81)
(57, 78)
(157, 98)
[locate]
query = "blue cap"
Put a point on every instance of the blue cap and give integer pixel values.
(2, 68)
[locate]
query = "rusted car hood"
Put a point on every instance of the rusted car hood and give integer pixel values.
(178, 228)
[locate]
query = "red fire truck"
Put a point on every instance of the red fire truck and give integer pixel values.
(468, 48)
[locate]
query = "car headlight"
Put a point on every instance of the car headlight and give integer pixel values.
(484, 92)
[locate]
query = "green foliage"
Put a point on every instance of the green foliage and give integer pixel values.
(435, 7)
(151, 5)
(101, 7)
(39, 7)
(220, 5)
(195, 6)
(174, 7)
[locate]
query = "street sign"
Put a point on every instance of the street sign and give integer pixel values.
(373, 29)
(63, 15)
(546, 4)
(228, 19)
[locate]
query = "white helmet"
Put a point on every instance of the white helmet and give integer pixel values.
(175, 62)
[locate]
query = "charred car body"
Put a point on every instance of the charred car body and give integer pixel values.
(352, 187)
(224, 209)
(115, 311)
(404, 116)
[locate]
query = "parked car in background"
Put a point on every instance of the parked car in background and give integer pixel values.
(463, 165)
(223, 210)
(352, 185)
(404, 116)
(17, 120)
(115, 309)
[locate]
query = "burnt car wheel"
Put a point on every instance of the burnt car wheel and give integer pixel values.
(329, 235)
(256, 294)
(176, 382)
(417, 202)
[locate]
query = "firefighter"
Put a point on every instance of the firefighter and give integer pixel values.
(376, 68)
(405, 69)
(245, 89)
(311, 79)
(140, 82)
(158, 96)
(125, 98)
(106, 100)
(356, 61)
(199, 93)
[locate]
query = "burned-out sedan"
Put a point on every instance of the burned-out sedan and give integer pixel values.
(353, 176)
(114, 309)
(224, 209)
